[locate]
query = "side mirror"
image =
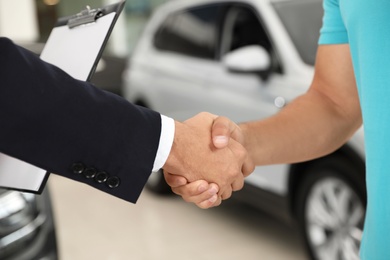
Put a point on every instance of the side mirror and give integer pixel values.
(252, 58)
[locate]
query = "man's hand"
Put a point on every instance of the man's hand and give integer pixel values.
(203, 193)
(195, 157)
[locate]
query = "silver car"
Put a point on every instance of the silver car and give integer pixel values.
(246, 60)
(27, 229)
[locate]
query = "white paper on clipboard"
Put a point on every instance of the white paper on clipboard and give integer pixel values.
(76, 50)
(75, 45)
(18, 175)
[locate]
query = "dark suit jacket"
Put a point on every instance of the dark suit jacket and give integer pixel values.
(72, 128)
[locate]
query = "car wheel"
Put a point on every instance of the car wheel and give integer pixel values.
(332, 209)
(157, 184)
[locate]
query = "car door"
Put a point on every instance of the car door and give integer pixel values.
(244, 95)
(250, 95)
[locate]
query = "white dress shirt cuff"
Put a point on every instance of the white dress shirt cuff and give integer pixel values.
(166, 141)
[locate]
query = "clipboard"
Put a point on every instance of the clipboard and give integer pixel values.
(77, 42)
(75, 45)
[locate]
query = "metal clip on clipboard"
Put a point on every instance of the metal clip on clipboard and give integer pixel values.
(89, 15)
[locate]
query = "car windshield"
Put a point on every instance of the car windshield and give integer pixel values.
(302, 20)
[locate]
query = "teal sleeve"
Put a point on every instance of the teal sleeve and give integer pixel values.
(333, 30)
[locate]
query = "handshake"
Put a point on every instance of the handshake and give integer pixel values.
(208, 160)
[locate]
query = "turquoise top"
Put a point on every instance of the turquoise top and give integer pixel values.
(365, 25)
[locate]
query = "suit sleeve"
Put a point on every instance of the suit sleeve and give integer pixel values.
(71, 128)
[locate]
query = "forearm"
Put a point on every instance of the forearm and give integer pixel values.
(310, 127)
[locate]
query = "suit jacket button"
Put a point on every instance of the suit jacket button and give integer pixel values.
(113, 182)
(101, 177)
(90, 173)
(78, 168)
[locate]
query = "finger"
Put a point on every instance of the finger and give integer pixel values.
(197, 191)
(221, 131)
(212, 202)
(227, 193)
(191, 189)
(174, 180)
(238, 183)
(248, 167)
(207, 198)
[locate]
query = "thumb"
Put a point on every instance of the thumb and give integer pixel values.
(174, 180)
(221, 131)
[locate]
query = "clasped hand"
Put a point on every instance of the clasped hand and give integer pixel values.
(208, 160)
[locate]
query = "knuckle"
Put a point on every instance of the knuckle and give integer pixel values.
(232, 174)
(238, 185)
(226, 195)
(204, 114)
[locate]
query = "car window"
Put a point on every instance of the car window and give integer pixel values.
(243, 27)
(302, 20)
(191, 32)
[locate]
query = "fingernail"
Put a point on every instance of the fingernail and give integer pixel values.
(220, 139)
(213, 191)
(202, 188)
(213, 198)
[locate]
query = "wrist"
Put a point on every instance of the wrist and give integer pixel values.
(174, 162)
(248, 142)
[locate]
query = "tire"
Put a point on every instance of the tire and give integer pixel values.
(331, 209)
(157, 184)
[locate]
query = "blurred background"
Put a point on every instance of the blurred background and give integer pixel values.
(36, 18)
(31, 22)
(243, 59)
